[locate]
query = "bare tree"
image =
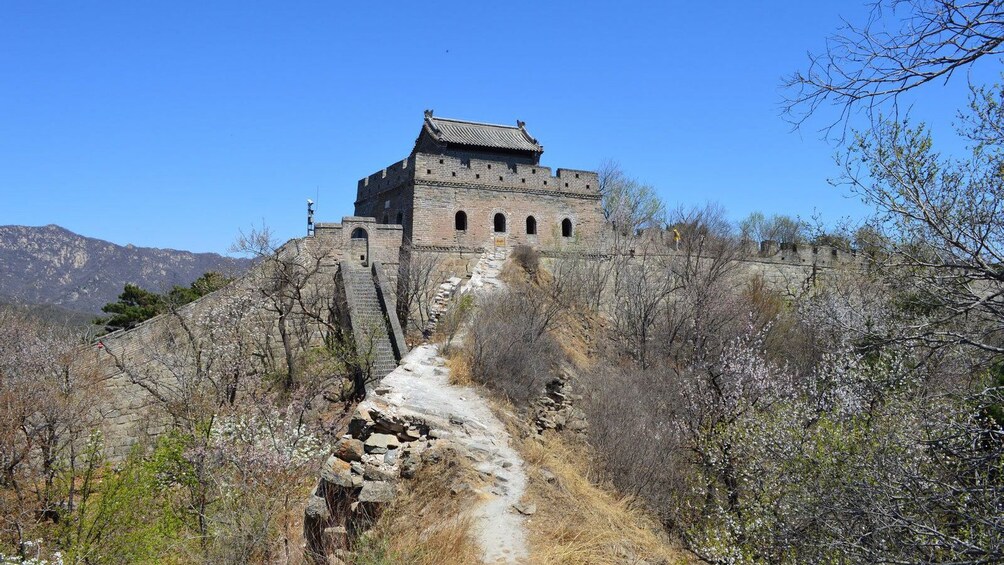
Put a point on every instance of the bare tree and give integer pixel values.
(641, 289)
(48, 398)
(628, 204)
(418, 282)
(757, 228)
(946, 214)
(508, 342)
(289, 278)
(903, 45)
(705, 268)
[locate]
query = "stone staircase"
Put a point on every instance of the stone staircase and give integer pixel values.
(369, 322)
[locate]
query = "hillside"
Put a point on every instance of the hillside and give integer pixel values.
(52, 265)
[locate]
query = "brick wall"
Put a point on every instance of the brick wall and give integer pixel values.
(426, 191)
(382, 242)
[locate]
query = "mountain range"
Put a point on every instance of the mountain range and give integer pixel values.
(50, 265)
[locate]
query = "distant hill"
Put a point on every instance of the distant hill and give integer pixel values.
(52, 265)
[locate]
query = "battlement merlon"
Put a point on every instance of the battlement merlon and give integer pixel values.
(423, 168)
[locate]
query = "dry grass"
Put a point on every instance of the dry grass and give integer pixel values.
(579, 522)
(428, 523)
(459, 365)
(578, 333)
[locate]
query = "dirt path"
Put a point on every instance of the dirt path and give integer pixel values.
(420, 389)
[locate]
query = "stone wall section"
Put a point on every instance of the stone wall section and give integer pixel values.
(157, 352)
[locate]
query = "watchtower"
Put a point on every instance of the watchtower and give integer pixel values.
(467, 184)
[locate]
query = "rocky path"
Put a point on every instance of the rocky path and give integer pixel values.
(419, 390)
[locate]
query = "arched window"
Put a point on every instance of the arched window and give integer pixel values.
(460, 222)
(359, 233)
(500, 223)
(566, 228)
(385, 218)
(531, 225)
(400, 218)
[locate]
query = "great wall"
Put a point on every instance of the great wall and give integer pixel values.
(442, 201)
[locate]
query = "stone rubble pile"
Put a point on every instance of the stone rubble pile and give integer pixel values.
(440, 302)
(360, 477)
(485, 274)
(555, 410)
(487, 270)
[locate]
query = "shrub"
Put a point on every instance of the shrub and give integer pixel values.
(508, 344)
(526, 257)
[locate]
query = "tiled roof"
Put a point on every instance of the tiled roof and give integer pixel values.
(482, 135)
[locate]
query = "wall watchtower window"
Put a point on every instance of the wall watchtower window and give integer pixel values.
(500, 223)
(531, 225)
(399, 219)
(566, 228)
(460, 221)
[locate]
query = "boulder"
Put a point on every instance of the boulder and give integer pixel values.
(410, 467)
(349, 449)
(361, 423)
(381, 441)
(525, 509)
(338, 472)
(317, 508)
(378, 491)
(380, 473)
(409, 434)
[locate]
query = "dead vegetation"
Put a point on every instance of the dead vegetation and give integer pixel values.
(577, 518)
(428, 523)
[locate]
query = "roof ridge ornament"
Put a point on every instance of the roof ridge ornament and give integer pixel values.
(428, 113)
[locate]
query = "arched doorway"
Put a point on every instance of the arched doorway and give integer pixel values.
(359, 245)
(500, 223)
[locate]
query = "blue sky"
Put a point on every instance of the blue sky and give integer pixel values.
(175, 124)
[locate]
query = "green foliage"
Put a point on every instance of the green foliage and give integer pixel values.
(371, 551)
(136, 305)
(780, 228)
(123, 515)
(208, 282)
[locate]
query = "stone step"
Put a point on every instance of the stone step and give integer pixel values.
(367, 316)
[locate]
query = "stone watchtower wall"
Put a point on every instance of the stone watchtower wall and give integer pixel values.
(480, 189)
(425, 192)
(360, 239)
